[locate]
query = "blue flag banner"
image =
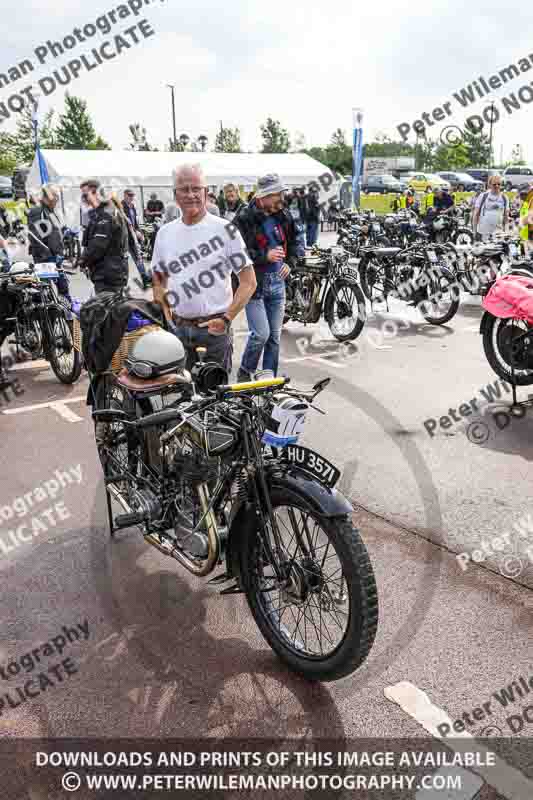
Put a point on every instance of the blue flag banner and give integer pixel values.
(357, 153)
(43, 169)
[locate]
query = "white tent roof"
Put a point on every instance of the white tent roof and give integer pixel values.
(133, 168)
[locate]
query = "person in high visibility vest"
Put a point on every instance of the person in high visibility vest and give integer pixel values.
(526, 219)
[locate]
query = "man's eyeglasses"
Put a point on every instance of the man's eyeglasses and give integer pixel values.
(196, 191)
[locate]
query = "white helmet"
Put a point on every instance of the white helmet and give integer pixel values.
(156, 353)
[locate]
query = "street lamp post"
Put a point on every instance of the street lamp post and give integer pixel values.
(172, 87)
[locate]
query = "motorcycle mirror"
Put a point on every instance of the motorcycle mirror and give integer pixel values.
(321, 385)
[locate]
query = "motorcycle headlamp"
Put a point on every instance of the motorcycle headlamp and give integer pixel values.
(208, 375)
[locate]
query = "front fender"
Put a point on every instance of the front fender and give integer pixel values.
(297, 486)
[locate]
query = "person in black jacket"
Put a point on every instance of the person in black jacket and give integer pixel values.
(312, 217)
(105, 241)
(271, 239)
(45, 234)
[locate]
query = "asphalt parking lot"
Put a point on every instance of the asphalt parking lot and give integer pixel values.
(166, 655)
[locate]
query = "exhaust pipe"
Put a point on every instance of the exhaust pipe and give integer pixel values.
(169, 550)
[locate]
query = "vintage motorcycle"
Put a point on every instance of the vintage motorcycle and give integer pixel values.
(323, 284)
(41, 320)
(217, 478)
(417, 274)
(507, 328)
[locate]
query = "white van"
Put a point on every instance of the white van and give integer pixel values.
(513, 177)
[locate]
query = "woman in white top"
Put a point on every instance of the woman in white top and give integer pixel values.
(491, 212)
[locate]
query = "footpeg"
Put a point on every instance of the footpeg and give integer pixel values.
(235, 589)
(224, 578)
(127, 520)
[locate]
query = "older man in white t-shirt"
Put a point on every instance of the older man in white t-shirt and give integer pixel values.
(192, 264)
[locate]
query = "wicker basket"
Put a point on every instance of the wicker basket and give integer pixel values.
(126, 344)
(76, 334)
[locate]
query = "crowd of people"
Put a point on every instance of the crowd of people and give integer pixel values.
(492, 212)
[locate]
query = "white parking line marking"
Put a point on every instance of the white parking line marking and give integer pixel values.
(507, 780)
(316, 359)
(39, 364)
(59, 406)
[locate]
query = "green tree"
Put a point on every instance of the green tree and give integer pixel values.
(228, 140)
(478, 148)
(451, 157)
(75, 130)
(275, 138)
(387, 149)
(338, 139)
(8, 159)
(21, 143)
(139, 139)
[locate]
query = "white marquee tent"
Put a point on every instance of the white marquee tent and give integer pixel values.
(148, 172)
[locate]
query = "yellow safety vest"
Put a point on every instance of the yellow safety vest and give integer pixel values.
(403, 202)
(524, 229)
(429, 200)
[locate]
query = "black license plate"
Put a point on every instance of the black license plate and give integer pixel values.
(319, 467)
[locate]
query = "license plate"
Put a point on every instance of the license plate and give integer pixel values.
(432, 256)
(311, 462)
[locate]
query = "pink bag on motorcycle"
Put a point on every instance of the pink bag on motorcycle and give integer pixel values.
(511, 296)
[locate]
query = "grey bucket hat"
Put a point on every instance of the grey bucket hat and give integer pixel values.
(269, 184)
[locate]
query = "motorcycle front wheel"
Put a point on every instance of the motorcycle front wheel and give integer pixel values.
(500, 336)
(443, 298)
(345, 310)
(65, 360)
(321, 618)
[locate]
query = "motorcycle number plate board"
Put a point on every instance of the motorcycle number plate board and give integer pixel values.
(309, 461)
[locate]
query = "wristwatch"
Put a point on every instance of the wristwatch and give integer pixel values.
(227, 320)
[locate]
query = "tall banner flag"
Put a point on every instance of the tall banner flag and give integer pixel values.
(43, 169)
(357, 153)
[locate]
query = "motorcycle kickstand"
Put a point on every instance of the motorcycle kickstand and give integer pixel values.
(110, 515)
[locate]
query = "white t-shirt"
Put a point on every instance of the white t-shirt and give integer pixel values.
(492, 213)
(199, 260)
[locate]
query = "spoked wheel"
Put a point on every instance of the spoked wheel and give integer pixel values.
(504, 343)
(443, 298)
(464, 236)
(345, 310)
(373, 280)
(321, 615)
(65, 360)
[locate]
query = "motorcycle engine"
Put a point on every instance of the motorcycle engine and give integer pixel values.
(305, 300)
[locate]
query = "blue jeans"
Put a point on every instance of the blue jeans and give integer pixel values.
(312, 233)
(264, 313)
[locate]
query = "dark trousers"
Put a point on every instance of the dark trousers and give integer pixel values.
(219, 348)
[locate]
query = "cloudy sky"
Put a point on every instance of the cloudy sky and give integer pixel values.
(304, 62)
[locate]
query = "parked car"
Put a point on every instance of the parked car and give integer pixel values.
(513, 177)
(6, 187)
(19, 182)
(462, 182)
(381, 184)
(426, 182)
(483, 174)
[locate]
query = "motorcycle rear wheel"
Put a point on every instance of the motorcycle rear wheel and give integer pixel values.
(348, 595)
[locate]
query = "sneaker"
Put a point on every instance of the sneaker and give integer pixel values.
(243, 377)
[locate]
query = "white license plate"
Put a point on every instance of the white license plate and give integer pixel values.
(432, 256)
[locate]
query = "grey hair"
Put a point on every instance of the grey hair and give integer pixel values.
(187, 168)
